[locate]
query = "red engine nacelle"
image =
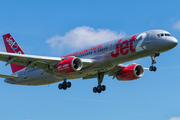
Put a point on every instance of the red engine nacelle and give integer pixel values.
(68, 66)
(131, 72)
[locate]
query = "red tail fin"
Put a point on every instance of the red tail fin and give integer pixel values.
(13, 47)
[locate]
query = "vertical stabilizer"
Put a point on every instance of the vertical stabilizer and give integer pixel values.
(12, 47)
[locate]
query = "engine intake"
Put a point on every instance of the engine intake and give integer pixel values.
(131, 72)
(68, 66)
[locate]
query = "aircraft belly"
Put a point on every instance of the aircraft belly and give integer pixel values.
(34, 78)
(41, 81)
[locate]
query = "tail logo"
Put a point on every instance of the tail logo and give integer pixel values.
(13, 45)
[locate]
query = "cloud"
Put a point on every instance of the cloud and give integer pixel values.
(80, 37)
(175, 118)
(177, 25)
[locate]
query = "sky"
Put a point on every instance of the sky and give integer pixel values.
(57, 27)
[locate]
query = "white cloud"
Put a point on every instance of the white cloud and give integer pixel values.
(81, 37)
(175, 118)
(177, 25)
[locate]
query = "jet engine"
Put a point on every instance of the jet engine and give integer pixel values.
(131, 72)
(68, 66)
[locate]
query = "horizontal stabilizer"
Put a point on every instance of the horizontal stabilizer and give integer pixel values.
(8, 76)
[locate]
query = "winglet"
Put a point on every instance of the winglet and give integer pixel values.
(12, 47)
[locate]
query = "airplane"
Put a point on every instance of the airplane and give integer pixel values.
(94, 62)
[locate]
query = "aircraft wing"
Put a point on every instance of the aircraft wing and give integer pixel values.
(111, 72)
(31, 61)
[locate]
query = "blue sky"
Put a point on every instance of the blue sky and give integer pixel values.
(49, 28)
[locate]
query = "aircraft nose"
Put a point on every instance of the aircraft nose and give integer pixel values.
(172, 41)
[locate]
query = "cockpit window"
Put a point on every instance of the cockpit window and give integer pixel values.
(167, 34)
(163, 34)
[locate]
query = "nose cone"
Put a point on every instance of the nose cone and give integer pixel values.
(172, 42)
(166, 43)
